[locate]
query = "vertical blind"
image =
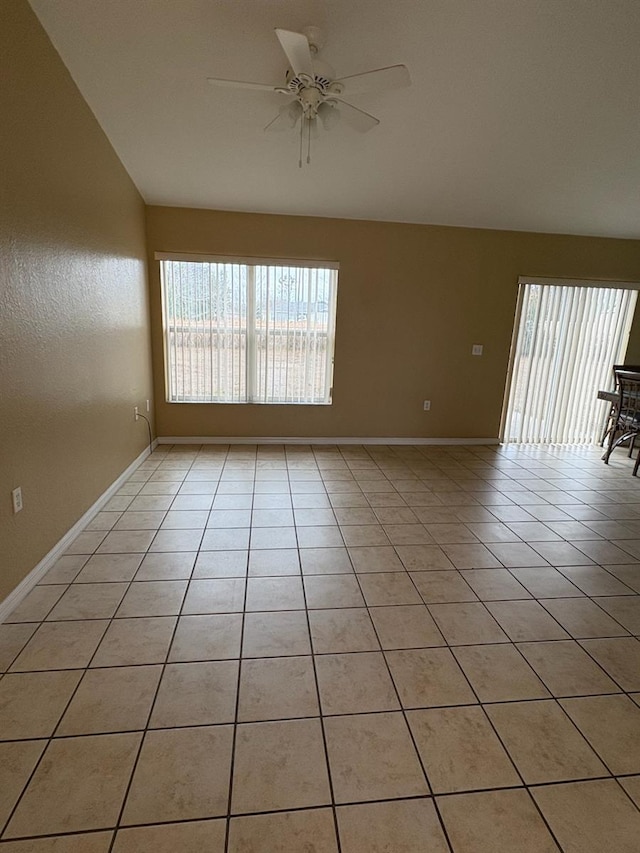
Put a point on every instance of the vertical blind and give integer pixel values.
(259, 332)
(568, 340)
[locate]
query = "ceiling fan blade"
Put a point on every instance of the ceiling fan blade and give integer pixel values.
(287, 117)
(393, 77)
(298, 52)
(240, 84)
(357, 118)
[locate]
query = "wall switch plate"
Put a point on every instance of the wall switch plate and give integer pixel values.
(136, 414)
(16, 498)
(426, 406)
(148, 405)
(476, 349)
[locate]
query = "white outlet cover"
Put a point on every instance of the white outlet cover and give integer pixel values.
(476, 349)
(426, 405)
(16, 497)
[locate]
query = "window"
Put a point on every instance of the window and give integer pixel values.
(248, 331)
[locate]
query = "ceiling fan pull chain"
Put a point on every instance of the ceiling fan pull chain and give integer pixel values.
(301, 135)
(309, 144)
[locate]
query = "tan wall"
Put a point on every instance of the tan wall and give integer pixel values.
(412, 300)
(74, 351)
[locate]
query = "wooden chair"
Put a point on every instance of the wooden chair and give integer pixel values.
(626, 421)
(632, 368)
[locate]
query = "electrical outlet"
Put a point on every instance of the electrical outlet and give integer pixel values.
(136, 414)
(476, 349)
(16, 497)
(426, 406)
(148, 405)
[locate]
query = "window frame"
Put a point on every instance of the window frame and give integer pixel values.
(251, 363)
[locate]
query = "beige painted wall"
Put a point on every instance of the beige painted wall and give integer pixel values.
(412, 299)
(74, 350)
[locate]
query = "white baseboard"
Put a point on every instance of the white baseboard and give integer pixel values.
(260, 439)
(26, 584)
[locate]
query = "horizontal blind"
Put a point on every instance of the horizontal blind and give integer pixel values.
(238, 332)
(568, 340)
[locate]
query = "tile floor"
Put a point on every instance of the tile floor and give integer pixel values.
(337, 650)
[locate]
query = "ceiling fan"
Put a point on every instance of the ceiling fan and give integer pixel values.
(316, 93)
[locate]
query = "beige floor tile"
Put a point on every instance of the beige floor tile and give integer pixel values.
(628, 574)
(494, 584)
(401, 826)
(590, 817)
(566, 669)
(190, 519)
(36, 604)
(277, 689)
(408, 534)
(147, 503)
(611, 724)
(32, 703)
(342, 630)
(372, 757)
(86, 543)
(274, 562)
(102, 568)
(279, 765)
(274, 594)
(221, 564)
(310, 830)
(111, 700)
(375, 558)
(452, 533)
(460, 750)
(405, 627)
(190, 837)
(423, 558)
(13, 639)
(214, 637)
(152, 598)
(218, 595)
(619, 657)
(166, 567)
(332, 591)
(495, 822)
(181, 774)
(65, 569)
(88, 601)
(274, 518)
(196, 694)
(94, 842)
(17, 760)
(320, 537)
(325, 561)
(471, 556)
(79, 785)
(135, 641)
(179, 540)
(357, 535)
(583, 618)
(126, 541)
(526, 620)
(356, 515)
(276, 634)
(593, 580)
(447, 586)
(608, 552)
(428, 678)
(543, 743)
(386, 588)
(498, 673)
(631, 784)
(546, 582)
(625, 609)
(492, 531)
(273, 537)
(312, 517)
(132, 520)
(355, 683)
(61, 645)
(467, 624)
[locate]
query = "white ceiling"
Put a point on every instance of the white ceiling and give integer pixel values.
(523, 114)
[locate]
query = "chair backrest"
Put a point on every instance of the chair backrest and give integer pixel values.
(629, 406)
(630, 368)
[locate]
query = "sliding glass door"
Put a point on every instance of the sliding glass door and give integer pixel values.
(568, 338)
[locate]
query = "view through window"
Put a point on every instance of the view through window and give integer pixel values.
(248, 331)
